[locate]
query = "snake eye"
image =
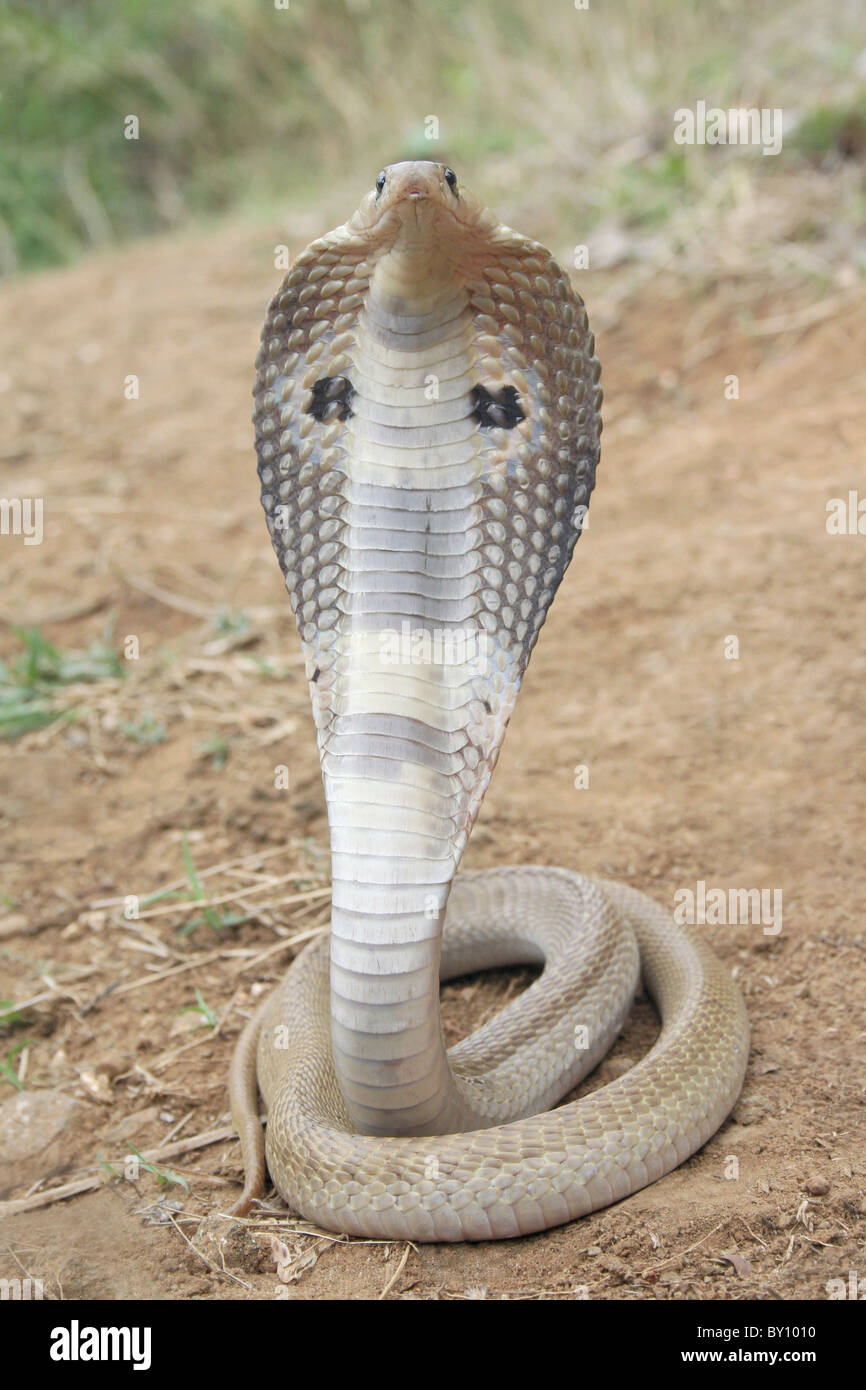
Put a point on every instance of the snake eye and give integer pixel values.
(380, 183)
(451, 180)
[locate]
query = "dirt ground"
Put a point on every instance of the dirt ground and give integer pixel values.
(736, 769)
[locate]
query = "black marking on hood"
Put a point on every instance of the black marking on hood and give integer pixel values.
(497, 411)
(331, 398)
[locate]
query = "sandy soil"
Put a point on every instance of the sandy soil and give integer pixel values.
(709, 522)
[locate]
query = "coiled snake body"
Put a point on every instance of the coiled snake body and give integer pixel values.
(427, 425)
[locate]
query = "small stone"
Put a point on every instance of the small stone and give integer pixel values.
(130, 1125)
(31, 1147)
(242, 1251)
(30, 1120)
(816, 1187)
(97, 1084)
(13, 922)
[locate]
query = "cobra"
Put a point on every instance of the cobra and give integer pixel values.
(427, 425)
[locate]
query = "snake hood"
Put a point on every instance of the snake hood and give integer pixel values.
(427, 426)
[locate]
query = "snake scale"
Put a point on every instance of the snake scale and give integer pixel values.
(427, 427)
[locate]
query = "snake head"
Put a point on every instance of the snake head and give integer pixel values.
(418, 193)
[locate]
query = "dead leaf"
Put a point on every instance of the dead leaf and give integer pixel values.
(293, 1262)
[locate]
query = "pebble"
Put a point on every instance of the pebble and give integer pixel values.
(31, 1148)
(816, 1187)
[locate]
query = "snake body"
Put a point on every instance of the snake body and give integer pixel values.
(427, 428)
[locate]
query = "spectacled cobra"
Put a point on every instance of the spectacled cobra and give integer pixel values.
(427, 427)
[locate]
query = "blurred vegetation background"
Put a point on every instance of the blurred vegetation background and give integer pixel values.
(561, 118)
